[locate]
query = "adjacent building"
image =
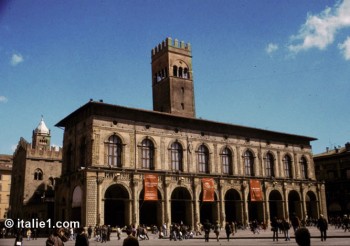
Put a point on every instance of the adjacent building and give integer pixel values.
(36, 166)
(132, 166)
(5, 185)
(333, 167)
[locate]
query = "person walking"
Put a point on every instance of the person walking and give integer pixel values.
(322, 225)
(217, 230)
(82, 238)
(295, 222)
(228, 230)
(206, 227)
(286, 227)
(274, 229)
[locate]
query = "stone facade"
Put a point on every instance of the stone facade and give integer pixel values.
(109, 150)
(333, 167)
(35, 169)
(5, 184)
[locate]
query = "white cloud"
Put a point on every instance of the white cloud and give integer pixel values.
(16, 59)
(271, 48)
(3, 99)
(319, 30)
(345, 48)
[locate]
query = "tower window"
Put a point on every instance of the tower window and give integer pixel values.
(182, 106)
(186, 75)
(38, 174)
(175, 71)
(180, 72)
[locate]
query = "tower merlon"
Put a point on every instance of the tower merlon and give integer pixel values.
(168, 42)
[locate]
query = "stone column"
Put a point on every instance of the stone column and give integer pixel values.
(167, 201)
(286, 209)
(91, 201)
(135, 203)
(196, 182)
(222, 203)
(245, 204)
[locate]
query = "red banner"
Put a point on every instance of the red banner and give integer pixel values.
(151, 187)
(208, 189)
(255, 191)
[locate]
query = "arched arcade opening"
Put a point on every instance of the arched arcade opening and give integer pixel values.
(181, 206)
(150, 211)
(233, 206)
(276, 205)
(116, 206)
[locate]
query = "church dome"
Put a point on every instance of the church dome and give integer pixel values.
(42, 128)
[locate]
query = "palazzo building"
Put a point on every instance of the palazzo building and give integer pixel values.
(36, 165)
(333, 166)
(111, 151)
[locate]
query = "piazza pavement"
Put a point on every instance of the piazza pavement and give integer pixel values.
(242, 237)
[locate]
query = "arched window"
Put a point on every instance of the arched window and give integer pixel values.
(186, 75)
(203, 159)
(176, 156)
(249, 163)
(180, 72)
(114, 149)
(147, 154)
(226, 161)
(303, 168)
(175, 71)
(38, 174)
(287, 164)
(269, 165)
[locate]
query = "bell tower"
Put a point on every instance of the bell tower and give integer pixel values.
(172, 78)
(41, 136)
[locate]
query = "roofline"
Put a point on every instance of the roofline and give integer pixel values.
(155, 117)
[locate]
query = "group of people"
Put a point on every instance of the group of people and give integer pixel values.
(302, 234)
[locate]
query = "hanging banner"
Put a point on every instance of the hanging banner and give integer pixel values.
(208, 189)
(255, 190)
(151, 187)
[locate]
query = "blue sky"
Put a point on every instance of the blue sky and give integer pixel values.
(276, 65)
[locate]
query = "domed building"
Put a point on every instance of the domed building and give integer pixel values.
(35, 168)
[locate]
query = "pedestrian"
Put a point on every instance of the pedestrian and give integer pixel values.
(286, 227)
(322, 225)
(89, 231)
(206, 226)
(217, 230)
(81, 238)
(130, 240)
(274, 229)
(228, 230)
(19, 238)
(346, 223)
(29, 234)
(35, 234)
(295, 222)
(165, 230)
(302, 236)
(119, 232)
(57, 238)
